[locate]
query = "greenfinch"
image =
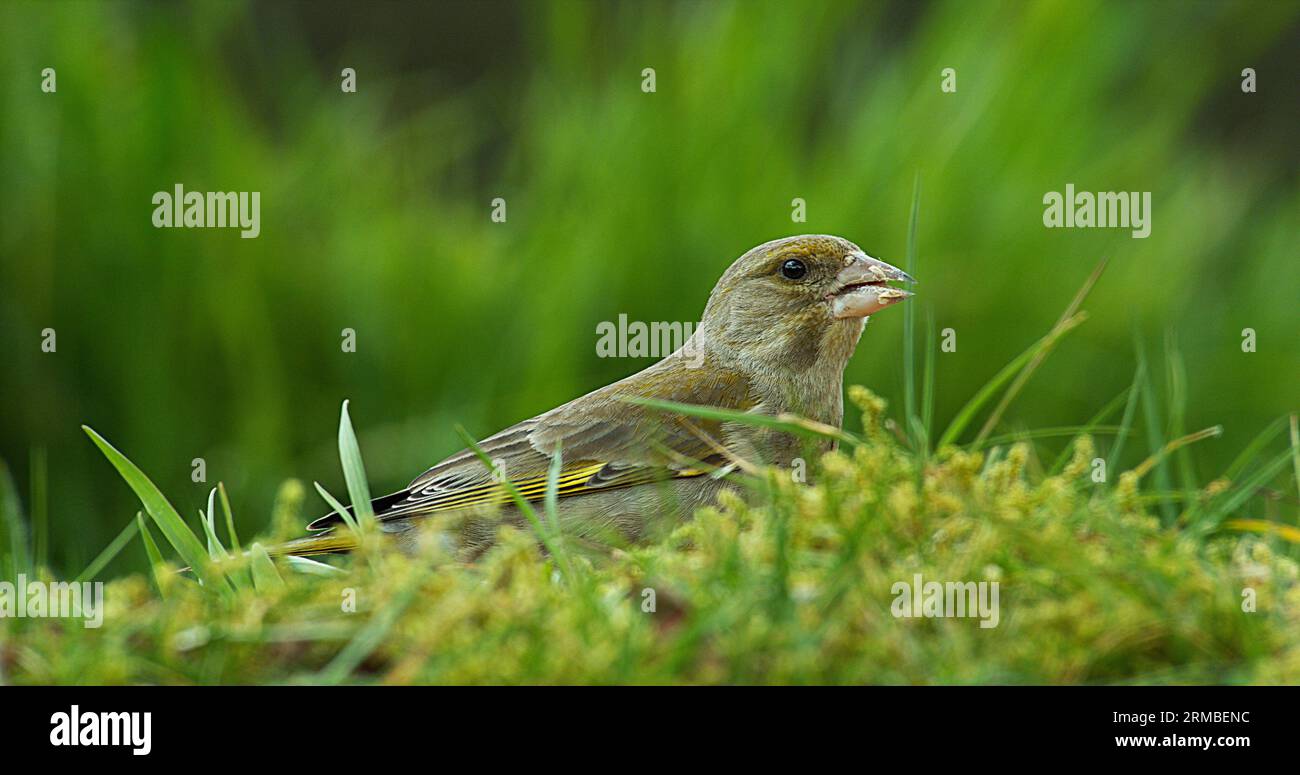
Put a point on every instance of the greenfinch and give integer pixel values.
(776, 334)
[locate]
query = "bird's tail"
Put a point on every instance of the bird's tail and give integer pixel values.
(334, 539)
(329, 543)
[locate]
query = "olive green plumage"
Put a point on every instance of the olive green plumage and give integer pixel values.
(776, 334)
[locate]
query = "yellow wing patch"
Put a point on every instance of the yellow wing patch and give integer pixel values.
(533, 488)
(496, 493)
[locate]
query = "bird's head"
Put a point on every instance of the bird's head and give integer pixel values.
(799, 301)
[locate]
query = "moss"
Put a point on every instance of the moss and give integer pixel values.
(793, 584)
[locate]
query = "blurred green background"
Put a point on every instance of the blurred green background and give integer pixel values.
(186, 343)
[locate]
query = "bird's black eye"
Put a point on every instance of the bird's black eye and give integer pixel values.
(793, 269)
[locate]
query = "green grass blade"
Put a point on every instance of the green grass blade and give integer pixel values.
(216, 552)
(354, 472)
(1071, 310)
(982, 396)
(909, 317)
(521, 503)
(19, 558)
(1295, 450)
(788, 423)
(1168, 449)
(1130, 411)
(1264, 527)
(927, 388)
(151, 551)
(1176, 374)
(312, 567)
(368, 638)
(1152, 414)
(173, 528)
(40, 506)
(339, 508)
(554, 548)
(347, 518)
(1093, 426)
(1251, 451)
(1240, 495)
(221, 559)
(551, 500)
(265, 576)
(552, 510)
(112, 550)
(1046, 433)
(230, 519)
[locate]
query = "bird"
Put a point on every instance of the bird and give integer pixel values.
(776, 334)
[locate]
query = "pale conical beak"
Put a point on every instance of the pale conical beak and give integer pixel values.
(862, 287)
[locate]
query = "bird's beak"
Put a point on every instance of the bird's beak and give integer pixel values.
(861, 287)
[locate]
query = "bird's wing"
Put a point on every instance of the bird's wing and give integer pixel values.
(603, 441)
